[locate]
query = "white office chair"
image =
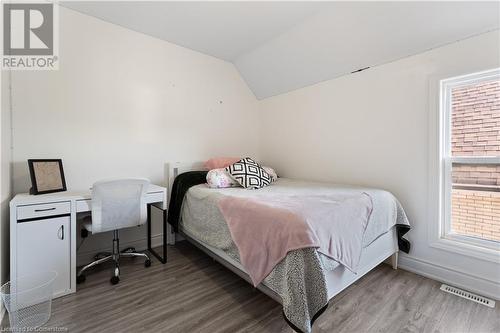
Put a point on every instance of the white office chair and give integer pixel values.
(116, 204)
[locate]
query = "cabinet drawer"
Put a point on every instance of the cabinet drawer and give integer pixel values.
(41, 210)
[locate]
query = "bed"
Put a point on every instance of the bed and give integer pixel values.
(306, 279)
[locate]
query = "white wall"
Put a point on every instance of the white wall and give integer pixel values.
(5, 180)
(372, 128)
(122, 104)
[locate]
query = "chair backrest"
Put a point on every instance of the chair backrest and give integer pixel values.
(118, 204)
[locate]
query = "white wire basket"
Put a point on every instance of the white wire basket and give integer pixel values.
(28, 300)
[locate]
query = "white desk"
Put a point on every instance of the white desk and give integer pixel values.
(43, 233)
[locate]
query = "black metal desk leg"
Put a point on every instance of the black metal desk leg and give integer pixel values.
(163, 259)
(149, 225)
(164, 236)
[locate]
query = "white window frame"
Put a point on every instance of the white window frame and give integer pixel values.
(442, 237)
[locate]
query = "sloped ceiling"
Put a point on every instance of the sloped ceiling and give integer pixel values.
(282, 46)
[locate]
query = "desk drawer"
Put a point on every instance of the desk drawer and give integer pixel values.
(42, 210)
(154, 197)
(85, 205)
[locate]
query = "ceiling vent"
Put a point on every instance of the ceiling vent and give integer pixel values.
(360, 70)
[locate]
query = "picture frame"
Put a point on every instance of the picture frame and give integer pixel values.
(47, 176)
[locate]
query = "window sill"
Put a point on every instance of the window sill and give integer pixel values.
(458, 244)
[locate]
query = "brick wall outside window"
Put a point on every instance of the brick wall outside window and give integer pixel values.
(476, 213)
(476, 120)
(476, 188)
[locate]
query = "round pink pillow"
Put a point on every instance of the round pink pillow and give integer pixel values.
(220, 162)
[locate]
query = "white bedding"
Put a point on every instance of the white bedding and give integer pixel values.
(201, 213)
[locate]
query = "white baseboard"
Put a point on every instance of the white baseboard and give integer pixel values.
(450, 276)
(85, 257)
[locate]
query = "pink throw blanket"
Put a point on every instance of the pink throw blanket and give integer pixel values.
(266, 228)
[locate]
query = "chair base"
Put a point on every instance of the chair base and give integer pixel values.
(101, 255)
(115, 257)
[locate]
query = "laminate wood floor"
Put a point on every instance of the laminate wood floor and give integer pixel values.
(192, 293)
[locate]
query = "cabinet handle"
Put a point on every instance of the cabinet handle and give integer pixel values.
(45, 209)
(61, 233)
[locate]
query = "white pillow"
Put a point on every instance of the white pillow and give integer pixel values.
(220, 178)
(249, 174)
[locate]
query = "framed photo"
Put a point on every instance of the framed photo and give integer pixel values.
(47, 176)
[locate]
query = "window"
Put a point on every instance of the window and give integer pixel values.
(470, 157)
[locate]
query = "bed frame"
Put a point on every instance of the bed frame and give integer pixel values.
(382, 249)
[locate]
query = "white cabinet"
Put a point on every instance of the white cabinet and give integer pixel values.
(43, 233)
(44, 244)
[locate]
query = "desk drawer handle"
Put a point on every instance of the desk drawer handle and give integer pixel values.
(45, 209)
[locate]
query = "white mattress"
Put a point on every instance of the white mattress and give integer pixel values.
(202, 216)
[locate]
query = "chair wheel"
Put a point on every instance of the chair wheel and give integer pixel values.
(128, 250)
(80, 279)
(114, 280)
(147, 263)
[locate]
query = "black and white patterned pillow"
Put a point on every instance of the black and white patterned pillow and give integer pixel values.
(249, 174)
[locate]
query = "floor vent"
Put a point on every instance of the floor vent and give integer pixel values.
(467, 295)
